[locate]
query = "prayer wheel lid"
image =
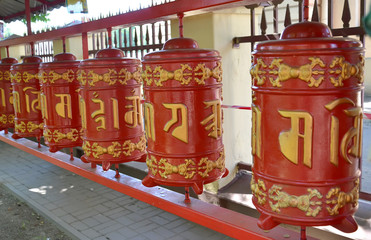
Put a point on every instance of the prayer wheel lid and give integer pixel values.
(307, 36)
(110, 53)
(62, 57)
(8, 61)
(32, 59)
(181, 48)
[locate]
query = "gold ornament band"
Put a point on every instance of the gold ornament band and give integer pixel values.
(115, 149)
(184, 75)
(188, 169)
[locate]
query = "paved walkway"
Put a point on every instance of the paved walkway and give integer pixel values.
(87, 210)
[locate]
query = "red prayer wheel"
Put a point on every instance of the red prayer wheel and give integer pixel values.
(307, 128)
(60, 102)
(183, 117)
(26, 98)
(111, 109)
(6, 95)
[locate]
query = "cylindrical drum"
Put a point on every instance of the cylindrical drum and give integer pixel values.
(111, 109)
(60, 102)
(26, 98)
(307, 128)
(6, 96)
(182, 114)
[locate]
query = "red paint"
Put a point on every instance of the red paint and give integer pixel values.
(25, 83)
(282, 175)
(182, 89)
(110, 91)
(59, 85)
(6, 102)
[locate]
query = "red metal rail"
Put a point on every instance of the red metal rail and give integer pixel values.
(223, 220)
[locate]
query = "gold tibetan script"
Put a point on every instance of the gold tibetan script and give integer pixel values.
(134, 116)
(34, 105)
(2, 92)
(149, 121)
(44, 106)
(98, 114)
(214, 119)
(256, 140)
(82, 108)
(65, 102)
(351, 143)
(179, 132)
(289, 140)
(16, 102)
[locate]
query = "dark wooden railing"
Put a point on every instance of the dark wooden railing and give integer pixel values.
(135, 41)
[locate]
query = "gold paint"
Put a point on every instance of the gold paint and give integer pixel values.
(184, 74)
(82, 108)
(52, 76)
(133, 117)
(289, 140)
(56, 135)
(149, 121)
(111, 77)
(16, 102)
(257, 73)
(20, 126)
(115, 110)
(16, 77)
(302, 202)
(35, 104)
(258, 190)
(180, 132)
(5, 75)
(44, 108)
(256, 140)
(4, 118)
(215, 119)
(98, 112)
(115, 149)
(65, 102)
(188, 169)
(3, 102)
(344, 70)
(29, 76)
(352, 138)
(209, 165)
(32, 126)
(306, 73)
(339, 199)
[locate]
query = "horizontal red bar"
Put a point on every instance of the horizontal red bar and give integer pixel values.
(223, 220)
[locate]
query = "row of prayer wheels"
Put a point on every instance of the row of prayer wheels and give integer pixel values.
(306, 118)
(97, 104)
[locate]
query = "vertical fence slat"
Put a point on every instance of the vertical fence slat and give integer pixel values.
(315, 15)
(346, 15)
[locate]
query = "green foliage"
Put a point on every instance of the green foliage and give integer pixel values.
(40, 17)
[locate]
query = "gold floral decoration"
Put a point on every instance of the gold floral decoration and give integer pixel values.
(115, 149)
(302, 202)
(7, 118)
(5, 75)
(344, 70)
(111, 77)
(31, 126)
(339, 199)
(305, 72)
(257, 72)
(258, 190)
(56, 135)
(53, 76)
(26, 77)
(188, 169)
(183, 75)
